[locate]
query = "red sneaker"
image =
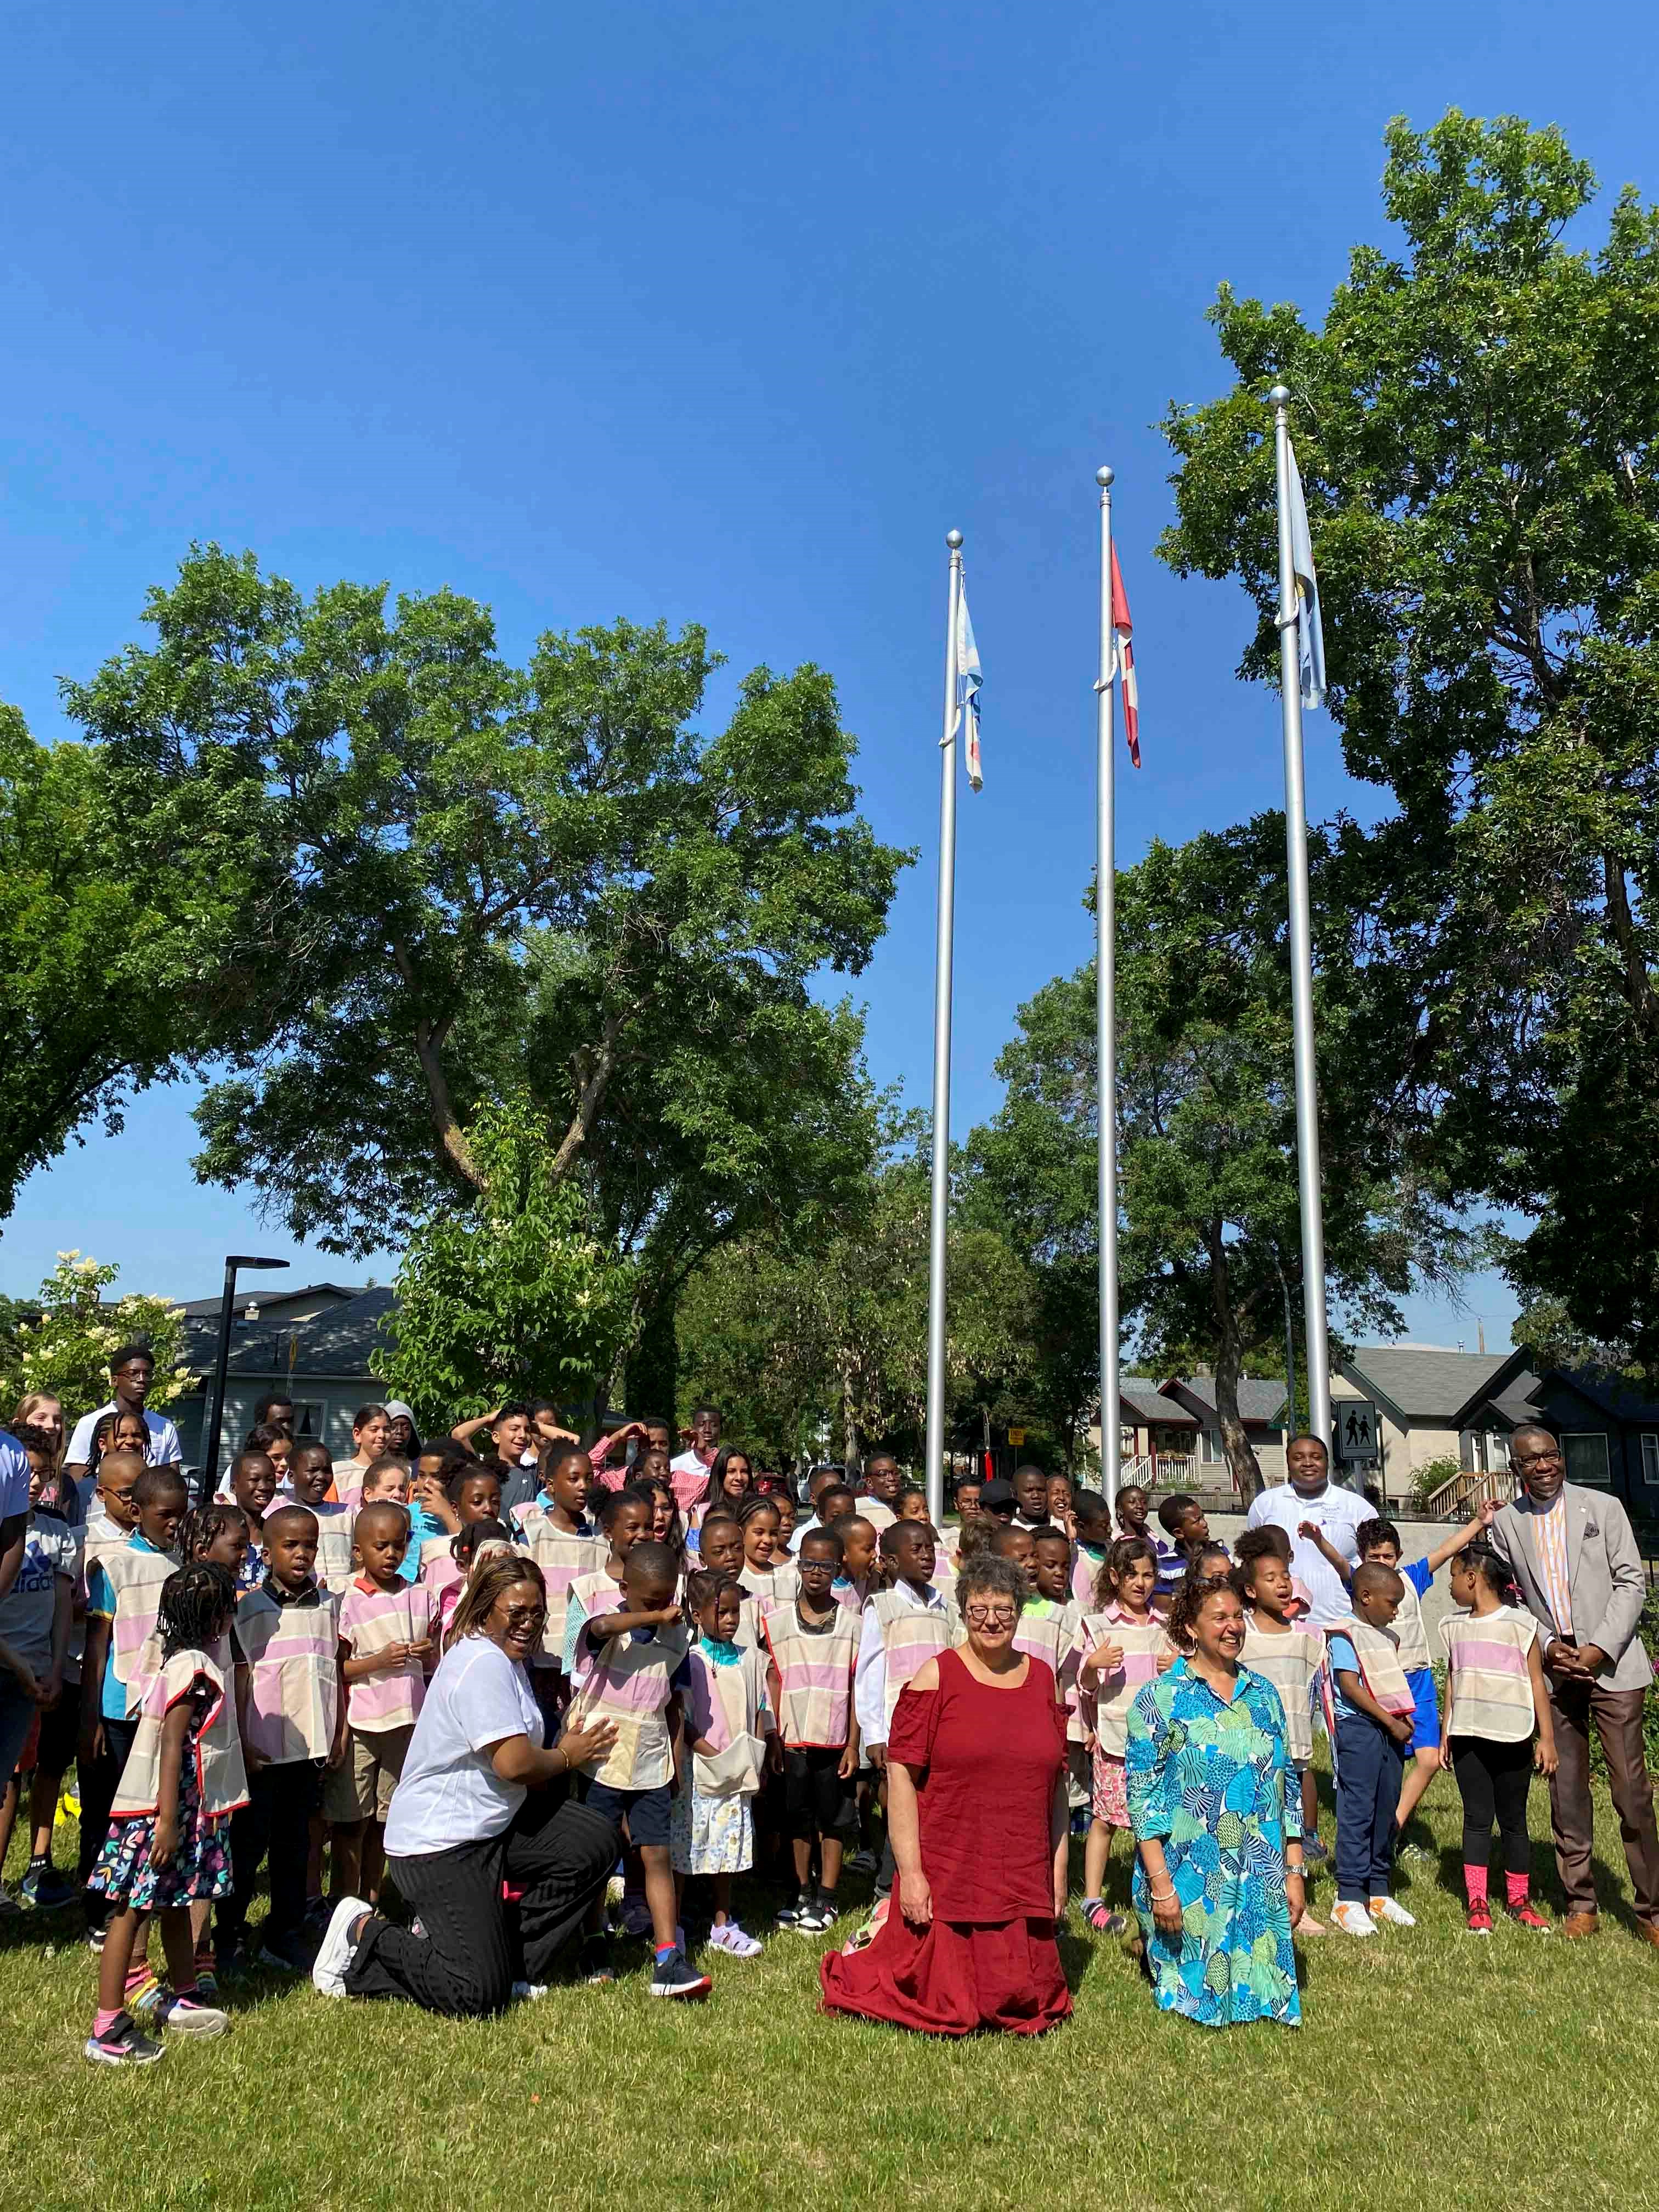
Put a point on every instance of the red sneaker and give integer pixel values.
(1527, 1916)
(1480, 1919)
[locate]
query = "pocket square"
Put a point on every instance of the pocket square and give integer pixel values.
(1592, 1527)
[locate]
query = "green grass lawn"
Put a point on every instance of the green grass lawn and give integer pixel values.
(1431, 2069)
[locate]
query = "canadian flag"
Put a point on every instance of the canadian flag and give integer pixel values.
(1124, 629)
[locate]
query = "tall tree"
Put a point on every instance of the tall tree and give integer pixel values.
(479, 880)
(1209, 1230)
(118, 919)
(1476, 423)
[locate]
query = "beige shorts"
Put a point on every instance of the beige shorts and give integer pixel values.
(360, 1788)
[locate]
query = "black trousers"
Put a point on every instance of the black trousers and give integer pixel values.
(100, 1780)
(1492, 1780)
(557, 1854)
(275, 1825)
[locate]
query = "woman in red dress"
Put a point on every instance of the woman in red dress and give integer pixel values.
(976, 1807)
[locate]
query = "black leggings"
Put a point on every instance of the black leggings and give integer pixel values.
(1493, 1779)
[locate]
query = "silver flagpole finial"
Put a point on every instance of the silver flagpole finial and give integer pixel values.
(953, 539)
(1106, 478)
(1280, 395)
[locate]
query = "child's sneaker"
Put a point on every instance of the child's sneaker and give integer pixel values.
(1479, 1919)
(1098, 1915)
(190, 2016)
(734, 1940)
(787, 1916)
(809, 1920)
(1352, 1917)
(1391, 1910)
(828, 1909)
(674, 1975)
(121, 2044)
(43, 1889)
(1529, 1915)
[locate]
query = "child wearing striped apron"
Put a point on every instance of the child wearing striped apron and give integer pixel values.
(291, 1699)
(730, 1732)
(1116, 1652)
(555, 1530)
(1496, 1696)
(1375, 1715)
(812, 1644)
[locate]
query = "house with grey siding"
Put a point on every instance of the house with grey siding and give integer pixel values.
(318, 1346)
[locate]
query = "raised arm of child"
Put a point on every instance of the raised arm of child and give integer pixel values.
(1322, 1544)
(604, 1625)
(1485, 1514)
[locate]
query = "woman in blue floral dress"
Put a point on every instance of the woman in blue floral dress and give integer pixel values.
(1216, 1816)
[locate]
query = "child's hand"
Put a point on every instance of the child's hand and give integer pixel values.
(877, 1755)
(423, 1651)
(1309, 1530)
(253, 1760)
(671, 1616)
(51, 1689)
(89, 1746)
(1091, 1741)
(1166, 1659)
(1543, 1757)
(775, 1753)
(1399, 1727)
(848, 1768)
(1486, 1513)
(1106, 1658)
(164, 1844)
(336, 1755)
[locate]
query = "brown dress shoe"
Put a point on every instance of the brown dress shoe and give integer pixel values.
(1581, 1923)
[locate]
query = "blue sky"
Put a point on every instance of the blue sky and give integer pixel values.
(723, 313)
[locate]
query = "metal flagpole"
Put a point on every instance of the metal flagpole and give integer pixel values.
(1316, 1349)
(939, 1211)
(1111, 1436)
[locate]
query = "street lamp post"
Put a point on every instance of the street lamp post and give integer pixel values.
(233, 1260)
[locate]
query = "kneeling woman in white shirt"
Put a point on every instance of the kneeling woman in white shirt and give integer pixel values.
(480, 1804)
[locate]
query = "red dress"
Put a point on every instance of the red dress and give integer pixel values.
(986, 1762)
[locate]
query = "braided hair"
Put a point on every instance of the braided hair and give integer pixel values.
(199, 1527)
(1483, 1557)
(195, 1607)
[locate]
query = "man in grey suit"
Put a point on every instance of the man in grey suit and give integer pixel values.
(1574, 1556)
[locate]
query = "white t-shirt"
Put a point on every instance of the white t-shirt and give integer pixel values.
(50, 1549)
(1336, 1513)
(450, 1793)
(162, 1451)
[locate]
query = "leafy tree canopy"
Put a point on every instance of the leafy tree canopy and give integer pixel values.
(60, 1341)
(1475, 423)
(477, 881)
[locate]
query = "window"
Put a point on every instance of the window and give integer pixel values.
(307, 1419)
(1586, 1452)
(1650, 1457)
(1467, 1451)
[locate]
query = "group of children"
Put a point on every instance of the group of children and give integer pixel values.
(252, 1671)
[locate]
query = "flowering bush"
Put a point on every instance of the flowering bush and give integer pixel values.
(66, 1351)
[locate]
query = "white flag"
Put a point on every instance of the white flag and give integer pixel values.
(969, 680)
(1309, 634)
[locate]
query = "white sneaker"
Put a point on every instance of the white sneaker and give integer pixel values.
(735, 1941)
(337, 1950)
(1389, 1909)
(528, 1992)
(1352, 1919)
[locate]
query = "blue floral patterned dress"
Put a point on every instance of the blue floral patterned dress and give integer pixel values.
(1213, 1784)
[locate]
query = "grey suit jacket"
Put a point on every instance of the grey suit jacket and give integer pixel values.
(1604, 1574)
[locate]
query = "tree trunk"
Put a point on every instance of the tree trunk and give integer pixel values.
(1229, 1357)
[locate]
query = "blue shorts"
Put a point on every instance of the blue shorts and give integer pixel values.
(1426, 1723)
(645, 1811)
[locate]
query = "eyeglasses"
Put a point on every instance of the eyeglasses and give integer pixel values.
(525, 1616)
(990, 1616)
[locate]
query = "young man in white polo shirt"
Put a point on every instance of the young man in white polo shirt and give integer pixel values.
(131, 1369)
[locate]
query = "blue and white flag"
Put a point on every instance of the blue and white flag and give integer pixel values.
(1309, 636)
(969, 680)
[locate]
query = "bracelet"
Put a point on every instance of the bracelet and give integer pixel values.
(1163, 1896)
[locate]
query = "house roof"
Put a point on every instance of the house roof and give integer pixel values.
(1607, 1393)
(1425, 1384)
(343, 1341)
(1147, 1402)
(208, 1309)
(1259, 1402)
